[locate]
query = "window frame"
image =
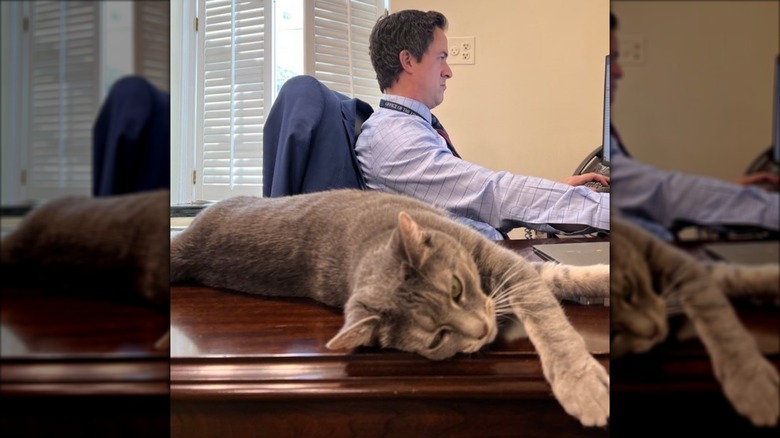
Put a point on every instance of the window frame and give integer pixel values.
(186, 150)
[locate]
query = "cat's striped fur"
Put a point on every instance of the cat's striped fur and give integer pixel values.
(407, 276)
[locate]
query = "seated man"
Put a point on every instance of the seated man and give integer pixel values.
(403, 149)
(658, 200)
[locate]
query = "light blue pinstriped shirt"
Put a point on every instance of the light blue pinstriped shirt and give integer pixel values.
(656, 199)
(402, 153)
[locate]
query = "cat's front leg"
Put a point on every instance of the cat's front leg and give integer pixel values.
(578, 381)
(575, 282)
(749, 381)
(581, 385)
(751, 385)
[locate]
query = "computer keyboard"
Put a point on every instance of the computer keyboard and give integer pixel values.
(601, 170)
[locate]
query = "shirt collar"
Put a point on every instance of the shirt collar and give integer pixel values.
(410, 103)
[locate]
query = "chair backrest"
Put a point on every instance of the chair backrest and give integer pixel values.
(590, 162)
(763, 163)
(309, 139)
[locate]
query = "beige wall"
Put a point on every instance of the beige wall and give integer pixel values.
(702, 101)
(532, 102)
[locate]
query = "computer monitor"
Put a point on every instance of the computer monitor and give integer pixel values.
(769, 160)
(605, 139)
(598, 160)
(776, 115)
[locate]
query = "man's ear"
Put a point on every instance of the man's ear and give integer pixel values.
(354, 334)
(406, 58)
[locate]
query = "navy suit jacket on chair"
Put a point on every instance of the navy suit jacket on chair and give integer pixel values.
(131, 139)
(309, 138)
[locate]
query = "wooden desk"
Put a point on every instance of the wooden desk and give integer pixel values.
(78, 366)
(252, 365)
(672, 387)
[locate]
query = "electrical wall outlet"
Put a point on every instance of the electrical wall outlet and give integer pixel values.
(633, 50)
(462, 50)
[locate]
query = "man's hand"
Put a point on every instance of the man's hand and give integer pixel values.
(578, 180)
(759, 178)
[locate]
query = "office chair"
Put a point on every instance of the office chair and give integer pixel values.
(594, 162)
(764, 163)
(590, 162)
(309, 140)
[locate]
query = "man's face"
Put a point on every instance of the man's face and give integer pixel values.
(432, 72)
(615, 72)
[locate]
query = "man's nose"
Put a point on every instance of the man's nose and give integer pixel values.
(446, 71)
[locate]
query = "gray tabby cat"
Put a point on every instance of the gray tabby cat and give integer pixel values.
(649, 275)
(406, 276)
(77, 239)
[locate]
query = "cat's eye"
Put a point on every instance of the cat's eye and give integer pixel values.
(437, 339)
(456, 290)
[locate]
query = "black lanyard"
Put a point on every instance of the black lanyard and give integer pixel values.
(434, 121)
(398, 107)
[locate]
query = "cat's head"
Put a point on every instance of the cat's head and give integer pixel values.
(420, 292)
(638, 318)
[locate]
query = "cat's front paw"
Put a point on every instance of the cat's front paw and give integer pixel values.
(752, 388)
(584, 392)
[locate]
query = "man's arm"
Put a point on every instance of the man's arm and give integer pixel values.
(401, 155)
(768, 179)
(668, 197)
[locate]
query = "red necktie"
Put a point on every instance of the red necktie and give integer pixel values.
(440, 129)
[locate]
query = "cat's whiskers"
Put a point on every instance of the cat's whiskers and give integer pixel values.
(673, 307)
(507, 294)
(504, 312)
(672, 304)
(503, 297)
(502, 304)
(499, 288)
(506, 302)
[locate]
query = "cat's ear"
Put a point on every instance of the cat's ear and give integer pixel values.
(412, 240)
(354, 334)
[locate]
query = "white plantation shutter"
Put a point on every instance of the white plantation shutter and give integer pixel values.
(152, 42)
(234, 82)
(340, 58)
(232, 96)
(63, 97)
